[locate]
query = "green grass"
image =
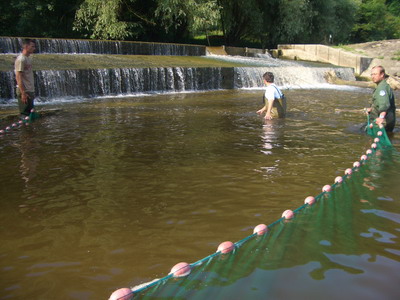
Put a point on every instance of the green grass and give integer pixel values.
(396, 56)
(349, 49)
(85, 61)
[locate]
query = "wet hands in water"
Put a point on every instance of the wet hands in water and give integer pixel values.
(268, 116)
(260, 111)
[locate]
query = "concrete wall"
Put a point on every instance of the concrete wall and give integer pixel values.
(235, 51)
(322, 53)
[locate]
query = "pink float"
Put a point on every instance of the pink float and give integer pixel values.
(121, 294)
(260, 229)
(373, 145)
(369, 151)
(288, 214)
(364, 157)
(2, 131)
(338, 179)
(379, 133)
(226, 247)
(348, 171)
(326, 188)
(180, 269)
(356, 164)
(376, 140)
(310, 200)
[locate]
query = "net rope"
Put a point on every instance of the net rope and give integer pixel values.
(209, 271)
(33, 115)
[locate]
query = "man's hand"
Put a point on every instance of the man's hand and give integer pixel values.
(379, 120)
(24, 97)
(268, 116)
(261, 111)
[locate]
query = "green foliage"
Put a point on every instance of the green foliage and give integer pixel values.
(377, 20)
(241, 20)
(254, 23)
(198, 16)
(101, 19)
(396, 56)
(38, 18)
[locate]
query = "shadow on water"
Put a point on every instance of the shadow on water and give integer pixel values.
(114, 192)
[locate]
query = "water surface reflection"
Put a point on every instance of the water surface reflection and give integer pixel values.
(113, 192)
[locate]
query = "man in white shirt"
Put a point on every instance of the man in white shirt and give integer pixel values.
(274, 100)
(24, 77)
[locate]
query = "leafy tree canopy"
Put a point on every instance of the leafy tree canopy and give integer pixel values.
(258, 23)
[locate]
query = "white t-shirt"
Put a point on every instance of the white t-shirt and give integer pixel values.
(272, 92)
(23, 64)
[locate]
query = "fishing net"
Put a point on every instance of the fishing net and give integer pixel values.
(33, 115)
(327, 235)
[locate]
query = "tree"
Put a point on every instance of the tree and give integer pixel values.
(289, 22)
(38, 18)
(241, 20)
(376, 21)
(197, 16)
(101, 20)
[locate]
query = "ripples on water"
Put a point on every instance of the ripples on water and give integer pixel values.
(114, 192)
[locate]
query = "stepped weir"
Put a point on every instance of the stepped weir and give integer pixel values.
(234, 72)
(112, 192)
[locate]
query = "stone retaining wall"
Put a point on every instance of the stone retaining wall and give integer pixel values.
(326, 54)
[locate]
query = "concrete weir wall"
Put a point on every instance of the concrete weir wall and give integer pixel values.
(235, 51)
(326, 54)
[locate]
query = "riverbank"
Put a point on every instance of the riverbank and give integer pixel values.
(385, 53)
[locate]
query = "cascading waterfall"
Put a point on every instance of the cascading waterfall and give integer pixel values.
(293, 76)
(82, 83)
(13, 45)
(287, 73)
(52, 84)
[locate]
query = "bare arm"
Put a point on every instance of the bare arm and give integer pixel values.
(261, 111)
(268, 115)
(21, 87)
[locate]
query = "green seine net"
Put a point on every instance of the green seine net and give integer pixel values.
(295, 259)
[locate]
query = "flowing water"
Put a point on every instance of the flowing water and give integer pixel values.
(113, 192)
(43, 45)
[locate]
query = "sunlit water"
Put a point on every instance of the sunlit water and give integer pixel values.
(114, 192)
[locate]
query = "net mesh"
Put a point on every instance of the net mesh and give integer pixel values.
(321, 237)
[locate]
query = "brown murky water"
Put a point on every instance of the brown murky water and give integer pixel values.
(113, 192)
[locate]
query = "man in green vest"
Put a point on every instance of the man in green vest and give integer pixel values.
(383, 109)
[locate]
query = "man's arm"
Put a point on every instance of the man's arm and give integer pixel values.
(268, 115)
(24, 96)
(383, 102)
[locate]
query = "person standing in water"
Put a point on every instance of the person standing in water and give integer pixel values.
(274, 100)
(383, 109)
(24, 77)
